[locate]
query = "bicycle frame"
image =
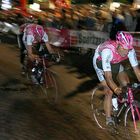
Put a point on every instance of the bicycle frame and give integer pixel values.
(130, 101)
(128, 108)
(39, 73)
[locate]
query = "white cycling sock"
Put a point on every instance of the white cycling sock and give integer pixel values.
(109, 120)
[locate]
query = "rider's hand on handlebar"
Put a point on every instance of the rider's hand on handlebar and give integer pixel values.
(33, 57)
(55, 58)
(118, 90)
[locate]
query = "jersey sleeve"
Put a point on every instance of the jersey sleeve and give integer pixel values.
(107, 56)
(30, 39)
(45, 38)
(132, 58)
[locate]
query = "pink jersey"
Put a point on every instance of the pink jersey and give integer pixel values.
(37, 31)
(112, 45)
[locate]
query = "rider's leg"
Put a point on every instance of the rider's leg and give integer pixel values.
(123, 78)
(107, 102)
(22, 53)
(108, 107)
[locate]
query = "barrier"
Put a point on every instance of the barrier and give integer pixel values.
(84, 39)
(75, 38)
(87, 39)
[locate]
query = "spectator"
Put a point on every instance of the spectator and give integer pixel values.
(138, 21)
(117, 24)
(128, 19)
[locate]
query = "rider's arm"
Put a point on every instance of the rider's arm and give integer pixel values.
(29, 49)
(111, 83)
(98, 71)
(48, 46)
(134, 63)
(106, 63)
(50, 49)
(55, 56)
(30, 39)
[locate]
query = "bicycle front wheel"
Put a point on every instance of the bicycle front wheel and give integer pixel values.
(49, 86)
(132, 127)
(97, 105)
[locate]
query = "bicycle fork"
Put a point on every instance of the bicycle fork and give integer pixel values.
(131, 101)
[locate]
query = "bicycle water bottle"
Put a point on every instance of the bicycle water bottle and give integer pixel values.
(115, 104)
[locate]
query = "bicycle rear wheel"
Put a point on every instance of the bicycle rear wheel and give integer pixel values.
(49, 86)
(131, 131)
(97, 105)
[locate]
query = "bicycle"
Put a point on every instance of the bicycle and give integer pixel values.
(127, 106)
(45, 78)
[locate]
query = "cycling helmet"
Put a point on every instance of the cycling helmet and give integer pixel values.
(125, 40)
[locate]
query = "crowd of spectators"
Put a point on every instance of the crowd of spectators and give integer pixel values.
(84, 17)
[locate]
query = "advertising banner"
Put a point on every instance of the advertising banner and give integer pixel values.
(87, 39)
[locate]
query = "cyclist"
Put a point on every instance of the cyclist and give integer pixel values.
(107, 64)
(34, 35)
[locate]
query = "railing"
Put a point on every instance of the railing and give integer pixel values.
(73, 38)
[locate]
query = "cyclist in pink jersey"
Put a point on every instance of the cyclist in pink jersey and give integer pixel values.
(107, 64)
(27, 21)
(34, 34)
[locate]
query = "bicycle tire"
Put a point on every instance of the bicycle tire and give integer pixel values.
(128, 122)
(49, 87)
(97, 104)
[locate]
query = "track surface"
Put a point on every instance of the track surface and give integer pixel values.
(25, 113)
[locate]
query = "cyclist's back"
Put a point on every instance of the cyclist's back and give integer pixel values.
(34, 34)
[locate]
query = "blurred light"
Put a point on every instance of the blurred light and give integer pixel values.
(7, 24)
(114, 5)
(6, 4)
(138, 6)
(6, 1)
(51, 5)
(35, 7)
